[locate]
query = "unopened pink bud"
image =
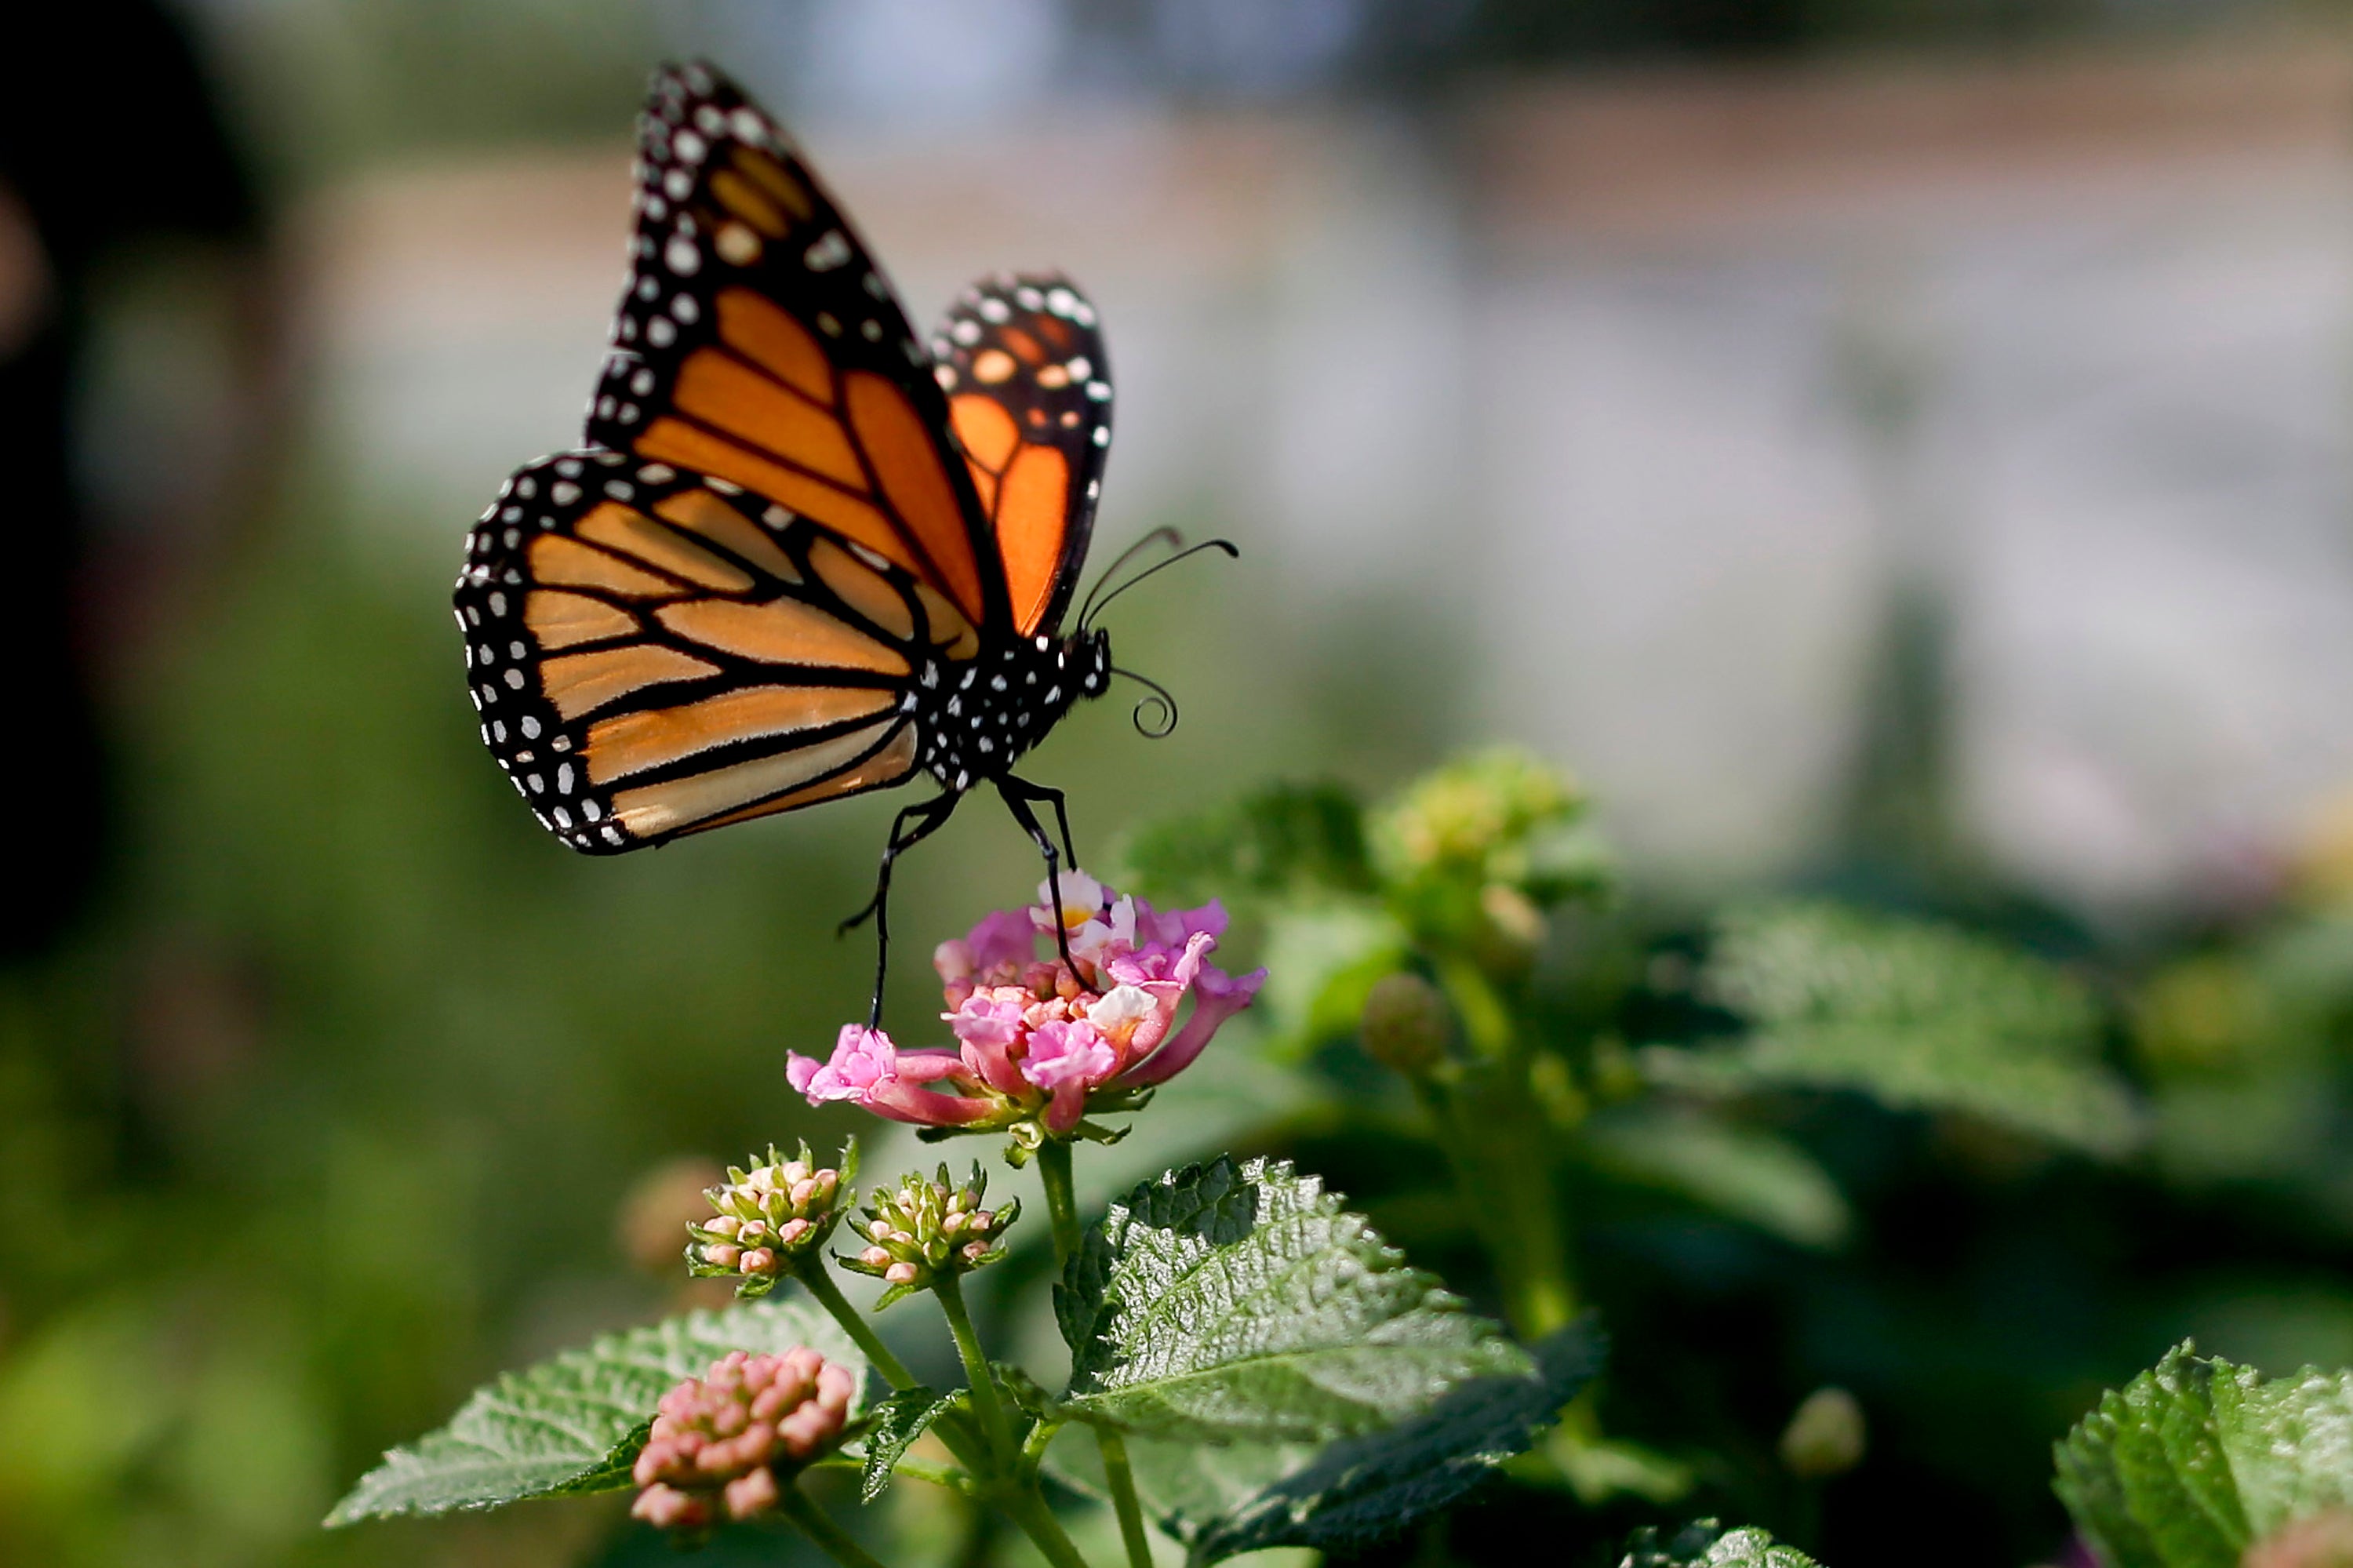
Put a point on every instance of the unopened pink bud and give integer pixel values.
(753, 1232)
(722, 1225)
(793, 1174)
(792, 1230)
(974, 1251)
(666, 1507)
(806, 1428)
(722, 1255)
(874, 1257)
(759, 1260)
(803, 1190)
(748, 1496)
(834, 1386)
(900, 1274)
(983, 1220)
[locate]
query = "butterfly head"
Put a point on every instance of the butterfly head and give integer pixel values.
(1089, 654)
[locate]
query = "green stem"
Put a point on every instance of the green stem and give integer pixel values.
(1062, 1208)
(830, 1538)
(1036, 1521)
(811, 1273)
(1504, 1179)
(1062, 1201)
(1123, 1497)
(999, 1432)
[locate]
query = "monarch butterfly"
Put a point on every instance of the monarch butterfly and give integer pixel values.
(797, 557)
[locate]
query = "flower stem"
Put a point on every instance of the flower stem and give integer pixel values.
(812, 1275)
(1061, 1202)
(1038, 1522)
(1122, 1480)
(993, 1425)
(829, 1537)
(1062, 1208)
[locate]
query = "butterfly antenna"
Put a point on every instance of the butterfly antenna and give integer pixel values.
(1099, 605)
(1160, 535)
(1161, 727)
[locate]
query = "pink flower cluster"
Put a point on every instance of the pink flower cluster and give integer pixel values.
(1036, 1038)
(723, 1431)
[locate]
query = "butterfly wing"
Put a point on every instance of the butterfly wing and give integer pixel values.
(655, 651)
(1028, 391)
(757, 343)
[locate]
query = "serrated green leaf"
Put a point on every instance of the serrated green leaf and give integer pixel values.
(893, 1425)
(1366, 1488)
(2195, 1459)
(575, 1423)
(1746, 1173)
(1918, 1016)
(1227, 1302)
(1286, 838)
(1704, 1543)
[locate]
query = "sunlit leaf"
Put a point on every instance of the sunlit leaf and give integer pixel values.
(2194, 1460)
(575, 1423)
(1228, 1302)
(1704, 1543)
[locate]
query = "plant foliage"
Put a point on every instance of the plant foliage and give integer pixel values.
(575, 1423)
(2197, 1460)
(1229, 1301)
(1916, 1015)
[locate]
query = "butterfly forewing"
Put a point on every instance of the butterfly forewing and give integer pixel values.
(655, 653)
(758, 342)
(1028, 390)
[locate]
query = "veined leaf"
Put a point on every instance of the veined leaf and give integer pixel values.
(1362, 1489)
(575, 1423)
(1704, 1544)
(1918, 1016)
(2196, 1460)
(1226, 1302)
(894, 1424)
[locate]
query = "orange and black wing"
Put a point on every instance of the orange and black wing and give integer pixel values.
(654, 652)
(758, 342)
(1028, 390)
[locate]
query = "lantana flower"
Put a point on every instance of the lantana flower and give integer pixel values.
(1040, 1044)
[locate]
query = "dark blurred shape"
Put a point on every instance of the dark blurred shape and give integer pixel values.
(110, 138)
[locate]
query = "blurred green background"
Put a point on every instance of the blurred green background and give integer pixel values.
(1893, 450)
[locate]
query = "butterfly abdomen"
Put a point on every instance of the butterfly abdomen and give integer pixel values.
(977, 716)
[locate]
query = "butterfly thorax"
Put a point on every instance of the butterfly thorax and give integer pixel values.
(977, 715)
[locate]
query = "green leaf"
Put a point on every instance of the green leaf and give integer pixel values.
(1286, 838)
(575, 1423)
(2195, 1459)
(1323, 958)
(1745, 1173)
(1365, 1488)
(1704, 1543)
(893, 1425)
(1223, 1303)
(1918, 1016)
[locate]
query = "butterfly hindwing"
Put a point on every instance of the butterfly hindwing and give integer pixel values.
(655, 651)
(1028, 390)
(758, 342)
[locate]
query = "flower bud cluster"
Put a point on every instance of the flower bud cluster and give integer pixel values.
(926, 1228)
(765, 1218)
(717, 1439)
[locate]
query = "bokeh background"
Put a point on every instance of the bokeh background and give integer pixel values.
(1902, 446)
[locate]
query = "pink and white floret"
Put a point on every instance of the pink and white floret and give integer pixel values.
(1041, 1045)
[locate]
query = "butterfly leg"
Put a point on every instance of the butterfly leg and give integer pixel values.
(1018, 794)
(912, 825)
